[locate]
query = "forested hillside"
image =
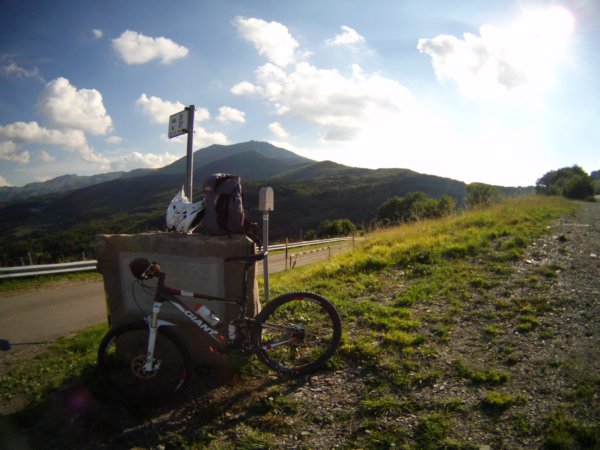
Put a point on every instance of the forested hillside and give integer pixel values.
(63, 225)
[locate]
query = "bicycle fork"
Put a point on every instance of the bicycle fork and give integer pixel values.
(150, 365)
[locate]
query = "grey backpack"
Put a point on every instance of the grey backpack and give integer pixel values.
(224, 207)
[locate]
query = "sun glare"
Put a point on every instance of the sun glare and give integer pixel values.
(548, 27)
(539, 40)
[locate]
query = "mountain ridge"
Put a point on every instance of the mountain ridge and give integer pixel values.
(62, 225)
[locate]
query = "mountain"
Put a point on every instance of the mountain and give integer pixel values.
(250, 160)
(64, 224)
(58, 184)
(214, 154)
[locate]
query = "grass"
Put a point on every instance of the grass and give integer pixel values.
(403, 294)
(10, 286)
(65, 358)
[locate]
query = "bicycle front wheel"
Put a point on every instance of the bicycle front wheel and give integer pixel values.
(122, 360)
(297, 333)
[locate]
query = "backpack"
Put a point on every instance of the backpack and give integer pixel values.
(224, 207)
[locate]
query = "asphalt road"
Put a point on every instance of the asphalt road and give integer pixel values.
(38, 317)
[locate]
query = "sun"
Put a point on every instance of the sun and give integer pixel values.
(549, 28)
(538, 41)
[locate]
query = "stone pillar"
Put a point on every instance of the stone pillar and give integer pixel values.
(192, 262)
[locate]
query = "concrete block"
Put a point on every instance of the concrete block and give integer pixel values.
(192, 262)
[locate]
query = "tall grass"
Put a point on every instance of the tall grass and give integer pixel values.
(437, 248)
(440, 261)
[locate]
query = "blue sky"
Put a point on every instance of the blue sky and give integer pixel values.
(498, 92)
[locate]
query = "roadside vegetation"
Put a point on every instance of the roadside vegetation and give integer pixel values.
(427, 357)
(13, 285)
(570, 182)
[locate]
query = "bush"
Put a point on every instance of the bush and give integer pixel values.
(571, 182)
(415, 206)
(480, 195)
(335, 228)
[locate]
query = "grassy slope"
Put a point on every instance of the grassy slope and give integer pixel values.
(401, 295)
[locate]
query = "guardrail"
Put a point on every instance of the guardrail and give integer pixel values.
(47, 269)
(81, 266)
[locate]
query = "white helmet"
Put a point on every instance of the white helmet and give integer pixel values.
(182, 215)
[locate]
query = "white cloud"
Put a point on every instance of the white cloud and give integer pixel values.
(136, 48)
(157, 109)
(136, 160)
(243, 88)
(349, 37)
(22, 133)
(228, 114)
(339, 105)
(65, 106)
(201, 114)
(277, 129)
(9, 151)
(204, 138)
(519, 59)
(4, 182)
(271, 39)
(114, 140)
(44, 156)
(9, 68)
(97, 33)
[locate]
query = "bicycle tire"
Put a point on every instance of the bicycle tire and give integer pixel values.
(122, 353)
(296, 333)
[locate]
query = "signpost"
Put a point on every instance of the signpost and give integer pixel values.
(266, 204)
(181, 123)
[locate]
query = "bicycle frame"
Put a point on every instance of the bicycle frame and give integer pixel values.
(165, 293)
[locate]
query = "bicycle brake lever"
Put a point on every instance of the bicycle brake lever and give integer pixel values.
(152, 270)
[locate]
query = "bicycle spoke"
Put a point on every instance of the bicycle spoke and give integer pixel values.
(122, 358)
(297, 332)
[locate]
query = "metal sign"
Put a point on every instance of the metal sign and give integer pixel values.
(181, 123)
(178, 124)
(265, 199)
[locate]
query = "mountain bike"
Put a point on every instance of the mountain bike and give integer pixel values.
(146, 360)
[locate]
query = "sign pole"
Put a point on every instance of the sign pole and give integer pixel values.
(181, 123)
(265, 250)
(265, 204)
(190, 152)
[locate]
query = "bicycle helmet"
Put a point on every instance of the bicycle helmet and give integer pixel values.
(182, 215)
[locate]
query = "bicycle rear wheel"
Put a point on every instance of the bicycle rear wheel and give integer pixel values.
(121, 359)
(297, 333)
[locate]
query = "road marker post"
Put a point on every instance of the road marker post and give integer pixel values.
(265, 205)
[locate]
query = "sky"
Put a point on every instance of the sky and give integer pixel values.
(491, 91)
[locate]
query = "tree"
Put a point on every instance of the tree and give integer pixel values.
(571, 182)
(415, 206)
(334, 228)
(445, 206)
(480, 195)
(595, 176)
